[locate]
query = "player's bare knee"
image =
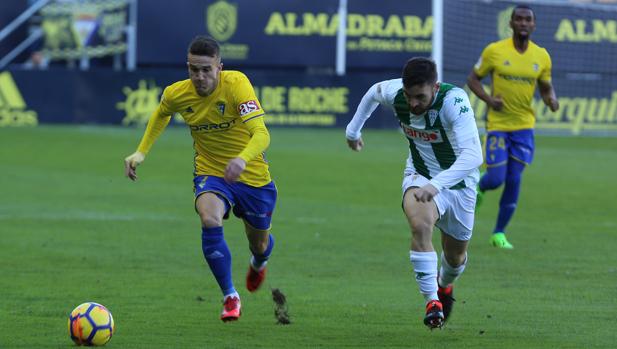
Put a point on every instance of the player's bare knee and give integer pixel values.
(210, 221)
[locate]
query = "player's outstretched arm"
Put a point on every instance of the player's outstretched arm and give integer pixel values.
(131, 162)
(156, 125)
(367, 106)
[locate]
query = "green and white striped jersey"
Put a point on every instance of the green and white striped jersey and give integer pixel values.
(444, 145)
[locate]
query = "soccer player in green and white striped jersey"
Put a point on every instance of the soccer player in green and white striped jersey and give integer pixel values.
(439, 184)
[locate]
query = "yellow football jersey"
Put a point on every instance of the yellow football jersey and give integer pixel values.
(217, 124)
(514, 77)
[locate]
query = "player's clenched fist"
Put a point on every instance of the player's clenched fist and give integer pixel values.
(234, 169)
(356, 144)
(131, 162)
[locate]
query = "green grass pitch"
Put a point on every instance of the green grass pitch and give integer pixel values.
(72, 229)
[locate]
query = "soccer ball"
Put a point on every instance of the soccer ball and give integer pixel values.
(91, 324)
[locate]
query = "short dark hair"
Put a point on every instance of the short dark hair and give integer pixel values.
(419, 71)
(203, 45)
(523, 7)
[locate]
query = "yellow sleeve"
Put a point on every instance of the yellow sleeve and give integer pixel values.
(485, 62)
(260, 139)
(545, 75)
(158, 121)
(245, 99)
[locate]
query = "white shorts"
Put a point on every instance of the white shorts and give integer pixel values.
(456, 207)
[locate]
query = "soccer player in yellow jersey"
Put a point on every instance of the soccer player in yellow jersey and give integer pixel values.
(231, 174)
(515, 64)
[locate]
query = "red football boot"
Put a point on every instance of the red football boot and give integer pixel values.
(231, 309)
(434, 314)
(446, 298)
(255, 278)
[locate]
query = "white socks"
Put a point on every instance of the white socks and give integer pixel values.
(447, 274)
(425, 267)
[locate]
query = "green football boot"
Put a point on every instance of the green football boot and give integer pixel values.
(499, 240)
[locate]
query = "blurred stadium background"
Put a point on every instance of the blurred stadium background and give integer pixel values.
(79, 79)
(113, 58)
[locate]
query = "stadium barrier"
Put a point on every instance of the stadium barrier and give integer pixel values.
(28, 98)
(282, 39)
(291, 99)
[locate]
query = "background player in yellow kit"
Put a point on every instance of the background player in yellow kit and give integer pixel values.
(227, 125)
(515, 65)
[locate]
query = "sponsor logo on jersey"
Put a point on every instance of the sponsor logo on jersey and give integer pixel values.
(248, 107)
(514, 78)
(213, 127)
(430, 136)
